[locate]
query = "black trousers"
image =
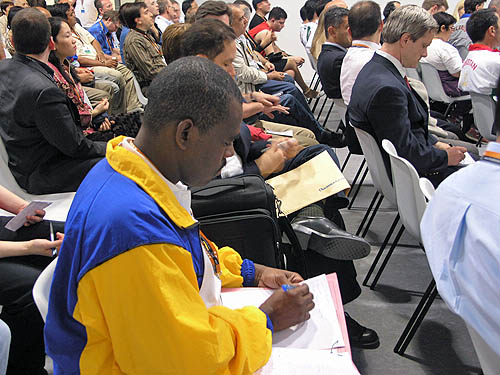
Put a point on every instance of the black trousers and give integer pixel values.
(17, 277)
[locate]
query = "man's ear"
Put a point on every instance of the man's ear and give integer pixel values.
(185, 133)
(52, 44)
(405, 38)
(331, 30)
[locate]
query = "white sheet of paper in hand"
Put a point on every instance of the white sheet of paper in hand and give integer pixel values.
(321, 331)
(288, 361)
(18, 221)
(467, 160)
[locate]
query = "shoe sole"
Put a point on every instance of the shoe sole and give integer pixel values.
(334, 246)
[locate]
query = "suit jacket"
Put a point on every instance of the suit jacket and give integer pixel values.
(38, 124)
(384, 105)
(329, 64)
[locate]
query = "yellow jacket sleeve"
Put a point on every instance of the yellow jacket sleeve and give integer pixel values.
(230, 262)
(143, 315)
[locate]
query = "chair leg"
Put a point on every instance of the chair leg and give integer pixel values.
(345, 161)
(375, 210)
(322, 108)
(381, 250)
(367, 213)
(387, 256)
(315, 104)
(416, 319)
(315, 83)
(328, 115)
(448, 110)
(355, 193)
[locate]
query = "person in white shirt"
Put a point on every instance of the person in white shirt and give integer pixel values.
(447, 61)
(86, 12)
(308, 29)
(443, 56)
(365, 25)
(163, 20)
(460, 234)
(481, 68)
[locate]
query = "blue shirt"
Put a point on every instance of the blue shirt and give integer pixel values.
(123, 35)
(101, 33)
(460, 234)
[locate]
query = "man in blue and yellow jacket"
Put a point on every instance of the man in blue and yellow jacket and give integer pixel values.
(137, 285)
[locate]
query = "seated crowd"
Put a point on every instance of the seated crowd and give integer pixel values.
(73, 118)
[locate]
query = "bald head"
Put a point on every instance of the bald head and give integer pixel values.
(336, 3)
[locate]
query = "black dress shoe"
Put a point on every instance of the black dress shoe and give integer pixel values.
(359, 336)
(336, 140)
(324, 237)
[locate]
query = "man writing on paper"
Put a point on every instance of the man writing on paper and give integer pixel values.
(133, 250)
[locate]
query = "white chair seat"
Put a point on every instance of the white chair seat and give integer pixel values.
(483, 109)
(41, 289)
(57, 211)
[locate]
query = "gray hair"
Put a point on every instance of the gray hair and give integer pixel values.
(410, 19)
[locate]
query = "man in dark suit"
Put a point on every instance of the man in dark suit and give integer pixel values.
(38, 123)
(383, 104)
(333, 50)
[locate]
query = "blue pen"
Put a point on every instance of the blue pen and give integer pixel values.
(287, 287)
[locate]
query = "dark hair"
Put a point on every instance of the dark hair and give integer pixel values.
(213, 8)
(206, 37)
(364, 19)
(470, 5)
(180, 92)
(55, 27)
(30, 31)
(59, 10)
(171, 40)
(255, 3)
(129, 12)
(277, 13)
(479, 22)
(4, 5)
(309, 9)
(98, 4)
(112, 15)
(334, 17)
(428, 4)
(12, 12)
(444, 19)
(496, 123)
(389, 8)
(320, 6)
(37, 3)
(242, 2)
(186, 4)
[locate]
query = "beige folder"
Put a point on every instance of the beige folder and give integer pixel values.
(314, 180)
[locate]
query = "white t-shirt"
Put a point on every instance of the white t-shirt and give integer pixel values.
(355, 59)
(443, 56)
(86, 12)
(307, 31)
(480, 72)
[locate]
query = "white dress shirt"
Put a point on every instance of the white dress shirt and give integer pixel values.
(355, 59)
(162, 23)
(460, 235)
